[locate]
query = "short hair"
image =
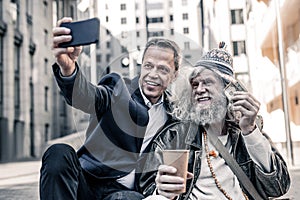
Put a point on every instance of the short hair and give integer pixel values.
(166, 44)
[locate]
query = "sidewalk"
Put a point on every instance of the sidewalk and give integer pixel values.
(19, 181)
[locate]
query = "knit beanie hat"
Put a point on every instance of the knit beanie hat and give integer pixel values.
(218, 59)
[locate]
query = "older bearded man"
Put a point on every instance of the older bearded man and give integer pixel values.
(205, 115)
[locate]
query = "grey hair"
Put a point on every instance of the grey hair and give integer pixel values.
(182, 92)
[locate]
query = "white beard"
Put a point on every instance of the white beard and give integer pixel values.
(215, 112)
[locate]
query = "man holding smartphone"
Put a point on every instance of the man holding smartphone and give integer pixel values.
(124, 117)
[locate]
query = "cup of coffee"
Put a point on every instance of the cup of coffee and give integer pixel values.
(178, 159)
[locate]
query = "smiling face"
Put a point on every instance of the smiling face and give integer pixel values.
(157, 72)
(208, 99)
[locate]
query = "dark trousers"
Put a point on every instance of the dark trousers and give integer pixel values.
(62, 178)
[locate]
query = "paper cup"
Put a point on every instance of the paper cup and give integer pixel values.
(179, 160)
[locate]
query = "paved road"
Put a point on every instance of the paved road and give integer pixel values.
(19, 181)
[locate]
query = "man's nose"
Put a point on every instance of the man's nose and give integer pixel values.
(153, 72)
(201, 88)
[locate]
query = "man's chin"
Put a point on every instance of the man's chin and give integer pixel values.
(203, 107)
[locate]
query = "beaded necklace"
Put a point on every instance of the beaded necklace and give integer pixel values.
(211, 169)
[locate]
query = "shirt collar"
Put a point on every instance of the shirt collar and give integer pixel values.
(148, 103)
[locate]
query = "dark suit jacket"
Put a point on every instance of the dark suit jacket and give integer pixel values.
(118, 120)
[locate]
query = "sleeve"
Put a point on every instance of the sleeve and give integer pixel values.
(259, 149)
(81, 94)
(147, 179)
(271, 172)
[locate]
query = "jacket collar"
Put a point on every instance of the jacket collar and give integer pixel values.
(193, 134)
(136, 94)
(195, 131)
(135, 91)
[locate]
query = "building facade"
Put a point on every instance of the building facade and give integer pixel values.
(227, 21)
(32, 110)
(128, 25)
(26, 82)
(277, 25)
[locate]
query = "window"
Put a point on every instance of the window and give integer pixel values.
(172, 31)
(15, 12)
(186, 30)
(156, 34)
(239, 47)
(45, 8)
(123, 6)
(186, 45)
(106, 18)
(107, 70)
(137, 34)
(46, 65)
(17, 93)
(46, 98)
(124, 49)
(31, 97)
(99, 58)
(185, 16)
(108, 44)
(107, 58)
(17, 84)
(237, 16)
(155, 6)
(72, 11)
(29, 7)
(171, 18)
(62, 107)
(187, 57)
(1, 9)
(45, 37)
(124, 34)
(137, 20)
(107, 32)
(123, 20)
(156, 20)
(46, 132)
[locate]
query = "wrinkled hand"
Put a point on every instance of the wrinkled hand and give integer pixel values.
(249, 106)
(65, 57)
(167, 183)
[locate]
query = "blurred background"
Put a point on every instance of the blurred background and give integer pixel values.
(262, 35)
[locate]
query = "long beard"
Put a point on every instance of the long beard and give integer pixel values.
(215, 112)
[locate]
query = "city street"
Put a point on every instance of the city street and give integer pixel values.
(19, 181)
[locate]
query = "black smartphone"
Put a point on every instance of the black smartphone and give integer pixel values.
(83, 32)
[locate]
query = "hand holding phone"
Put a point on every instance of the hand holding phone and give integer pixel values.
(83, 32)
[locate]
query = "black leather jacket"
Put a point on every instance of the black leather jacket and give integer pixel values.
(187, 136)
